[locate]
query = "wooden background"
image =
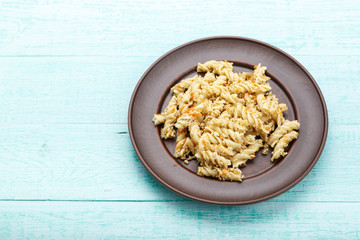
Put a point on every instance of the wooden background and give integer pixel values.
(67, 71)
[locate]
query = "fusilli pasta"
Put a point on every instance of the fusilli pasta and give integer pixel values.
(224, 118)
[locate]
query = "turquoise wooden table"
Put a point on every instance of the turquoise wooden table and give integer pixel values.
(67, 166)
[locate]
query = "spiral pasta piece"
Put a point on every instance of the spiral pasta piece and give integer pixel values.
(241, 158)
(279, 150)
(253, 117)
(280, 131)
(226, 174)
(270, 106)
(218, 91)
(184, 145)
(250, 87)
(170, 115)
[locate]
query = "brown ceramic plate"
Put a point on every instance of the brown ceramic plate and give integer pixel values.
(291, 83)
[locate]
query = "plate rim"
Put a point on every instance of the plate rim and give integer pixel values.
(231, 203)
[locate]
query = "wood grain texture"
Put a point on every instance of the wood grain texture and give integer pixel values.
(98, 89)
(142, 28)
(179, 220)
(97, 162)
(67, 71)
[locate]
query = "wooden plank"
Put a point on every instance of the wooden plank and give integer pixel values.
(144, 28)
(68, 90)
(98, 89)
(97, 161)
(67, 70)
(178, 220)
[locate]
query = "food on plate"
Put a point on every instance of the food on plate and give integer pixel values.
(222, 119)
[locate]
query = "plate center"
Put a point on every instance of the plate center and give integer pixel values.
(261, 163)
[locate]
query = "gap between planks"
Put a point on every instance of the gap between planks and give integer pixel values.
(158, 200)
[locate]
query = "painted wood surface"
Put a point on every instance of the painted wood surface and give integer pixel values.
(179, 220)
(67, 71)
(63, 90)
(97, 162)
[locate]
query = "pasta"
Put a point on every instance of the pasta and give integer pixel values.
(223, 119)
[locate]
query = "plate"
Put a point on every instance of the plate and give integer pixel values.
(290, 82)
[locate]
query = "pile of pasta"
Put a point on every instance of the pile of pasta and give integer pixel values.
(223, 118)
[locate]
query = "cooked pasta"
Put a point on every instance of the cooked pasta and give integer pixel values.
(224, 118)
